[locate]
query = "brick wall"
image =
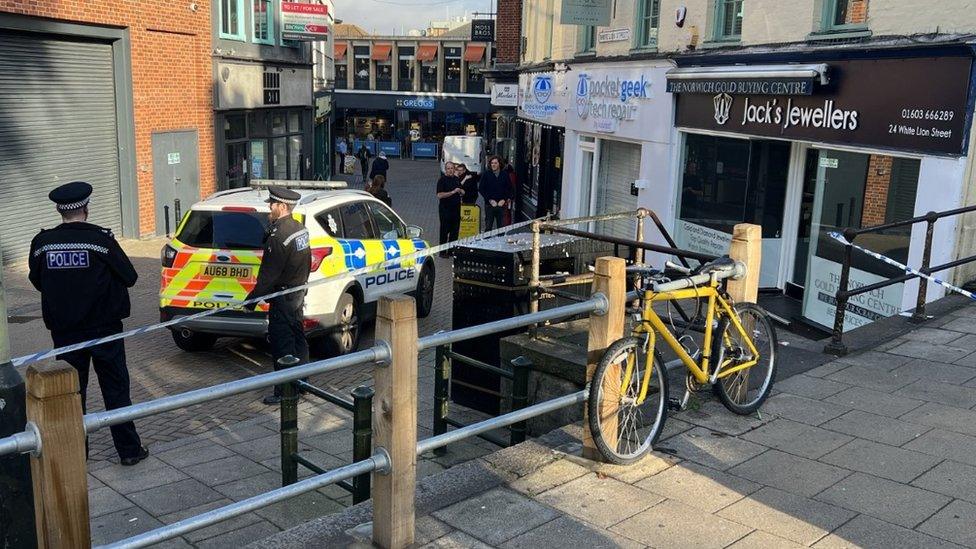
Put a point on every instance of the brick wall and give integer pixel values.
(857, 11)
(171, 74)
(876, 190)
(508, 30)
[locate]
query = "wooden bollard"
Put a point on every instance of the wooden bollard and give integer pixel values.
(746, 247)
(610, 279)
(395, 423)
(60, 477)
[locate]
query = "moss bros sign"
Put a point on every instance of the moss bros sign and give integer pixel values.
(916, 104)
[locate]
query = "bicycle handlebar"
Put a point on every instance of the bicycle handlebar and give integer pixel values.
(736, 271)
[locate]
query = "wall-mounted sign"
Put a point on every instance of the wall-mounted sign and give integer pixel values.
(304, 21)
(743, 86)
(609, 100)
(916, 104)
(417, 103)
(483, 30)
(613, 35)
(623, 99)
(504, 95)
(586, 12)
(173, 158)
(542, 97)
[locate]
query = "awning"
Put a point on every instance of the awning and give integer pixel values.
(381, 52)
(786, 79)
(340, 50)
(427, 52)
(474, 52)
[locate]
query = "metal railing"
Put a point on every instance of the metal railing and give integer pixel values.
(836, 346)
(62, 513)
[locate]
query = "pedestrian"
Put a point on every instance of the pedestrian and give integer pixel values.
(380, 166)
(496, 189)
(449, 193)
(363, 155)
(513, 178)
(469, 183)
(285, 264)
(84, 276)
(378, 189)
(342, 149)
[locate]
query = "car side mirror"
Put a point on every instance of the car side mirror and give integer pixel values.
(414, 231)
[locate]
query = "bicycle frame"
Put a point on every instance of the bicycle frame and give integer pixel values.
(701, 371)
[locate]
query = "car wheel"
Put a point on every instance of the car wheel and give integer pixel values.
(193, 342)
(425, 292)
(344, 337)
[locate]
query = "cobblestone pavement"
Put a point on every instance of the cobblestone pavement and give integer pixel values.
(158, 368)
(877, 449)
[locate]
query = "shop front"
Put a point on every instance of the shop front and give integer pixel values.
(539, 135)
(400, 120)
(807, 148)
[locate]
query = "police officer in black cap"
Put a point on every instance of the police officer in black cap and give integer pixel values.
(83, 276)
(286, 263)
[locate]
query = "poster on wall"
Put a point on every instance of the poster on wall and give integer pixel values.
(698, 238)
(308, 22)
(586, 12)
(820, 302)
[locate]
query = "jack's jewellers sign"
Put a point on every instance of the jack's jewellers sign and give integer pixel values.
(916, 104)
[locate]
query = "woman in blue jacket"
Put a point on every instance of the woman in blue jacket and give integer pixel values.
(496, 189)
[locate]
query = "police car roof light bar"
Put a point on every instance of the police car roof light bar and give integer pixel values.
(298, 184)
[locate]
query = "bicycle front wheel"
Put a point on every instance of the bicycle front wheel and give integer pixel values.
(628, 401)
(744, 391)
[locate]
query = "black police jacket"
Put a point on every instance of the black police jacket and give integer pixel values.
(83, 276)
(287, 260)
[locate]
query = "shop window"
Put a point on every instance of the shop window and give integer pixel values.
(728, 20)
(361, 66)
(648, 19)
(452, 70)
(384, 76)
(405, 69)
(278, 121)
(428, 77)
(236, 165)
(232, 19)
(341, 76)
(262, 17)
(844, 15)
(294, 121)
(586, 40)
(476, 80)
(234, 127)
(295, 157)
(279, 158)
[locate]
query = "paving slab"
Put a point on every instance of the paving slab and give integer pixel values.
(826, 369)
(711, 449)
(568, 532)
(945, 444)
(882, 429)
(121, 524)
(150, 473)
(941, 393)
(954, 523)
(762, 540)
(674, 524)
(950, 418)
(698, 486)
(871, 378)
(797, 438)
(803, 410)
(651, 464)
(809, 386)
(876, 402)
(931, 351)
(935, 371)
(456, 540)
(548, 477)
(169, 498)
(299, 509)
(791, 473)
(225, 470)
(194, 453)
(881, 460)
(964, 325)
(240, 537)
(950, 478)
(607, 502)
(967, 341)
(787, 515)
(885, 499)
(496, 516)
(876, 359)
(865, 531)
(104, 500)
(220, 528)
(934, 335)
(713, 416)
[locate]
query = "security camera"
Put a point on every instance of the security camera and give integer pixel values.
(194, 7)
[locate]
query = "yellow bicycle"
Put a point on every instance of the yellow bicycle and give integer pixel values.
(628, 395)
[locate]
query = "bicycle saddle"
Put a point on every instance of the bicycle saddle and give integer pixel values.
(723, 263)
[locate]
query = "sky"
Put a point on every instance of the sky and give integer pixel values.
(383, 16)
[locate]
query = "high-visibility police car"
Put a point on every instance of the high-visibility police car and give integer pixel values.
(214, 259)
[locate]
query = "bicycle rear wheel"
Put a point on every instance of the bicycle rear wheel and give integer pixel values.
(624, 427)
(743, 392)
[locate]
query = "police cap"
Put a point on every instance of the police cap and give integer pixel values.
(285, 196)
(71, 196)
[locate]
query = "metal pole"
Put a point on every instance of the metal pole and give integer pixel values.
(923, 284)
(16, 492)
(442, 381)
(639, 252)
(362, 438)
(166, 217)
(836, 345)
(534, 273)
(177, 212)
(521, 367)
(289, 424)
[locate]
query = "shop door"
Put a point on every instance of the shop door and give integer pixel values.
(619, 168)
(176, 177)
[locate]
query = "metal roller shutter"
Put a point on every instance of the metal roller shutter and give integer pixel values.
(57, 124)
(619, 168)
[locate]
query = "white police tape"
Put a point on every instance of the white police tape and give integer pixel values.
(908, 270)
(28, 359)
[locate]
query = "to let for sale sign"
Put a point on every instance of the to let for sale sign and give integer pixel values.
(304, 21)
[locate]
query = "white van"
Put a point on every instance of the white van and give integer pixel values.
(463, 149)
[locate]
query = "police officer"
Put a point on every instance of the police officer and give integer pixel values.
(83, 276)
(285, 264)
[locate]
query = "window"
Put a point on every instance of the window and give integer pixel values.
(279, 158)
(405, 68)
(586, 39)
(331, 221)
(236, 230)
(356, 222)
(262, 17)
(428, 77)
(361, 65)
(232, 19)
(841, 15)
(384, 76)
(728, 20)
(341, 76)
(648, 18)
(388, 225)
(452, 68)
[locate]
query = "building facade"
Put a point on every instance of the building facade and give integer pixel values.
(89, 91)
(804, 117)
(264, 112)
